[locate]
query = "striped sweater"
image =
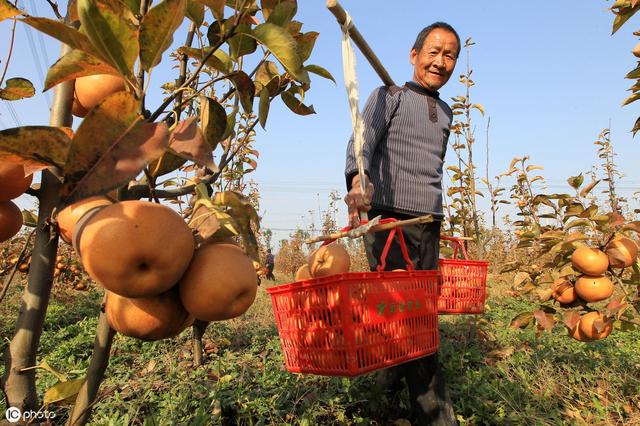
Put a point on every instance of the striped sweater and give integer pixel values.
(405, 140)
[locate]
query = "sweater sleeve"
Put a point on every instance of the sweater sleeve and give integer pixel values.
(376, 116)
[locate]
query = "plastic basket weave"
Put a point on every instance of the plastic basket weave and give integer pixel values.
(463, 288)
(357, 322)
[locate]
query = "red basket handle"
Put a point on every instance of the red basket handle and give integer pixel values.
(458, 244)
(387, 246)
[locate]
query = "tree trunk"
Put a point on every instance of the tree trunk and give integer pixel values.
(199, 328)
(95, 372)
(20, 386)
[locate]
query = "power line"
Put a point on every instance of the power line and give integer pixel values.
(36, 59)
(14, 113)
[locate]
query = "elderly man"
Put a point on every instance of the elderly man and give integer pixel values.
(405, 140)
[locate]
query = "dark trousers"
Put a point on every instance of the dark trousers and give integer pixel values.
(430, 400)
(270, 272)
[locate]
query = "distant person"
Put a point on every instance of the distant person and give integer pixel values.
(405, 140)
(269, 264)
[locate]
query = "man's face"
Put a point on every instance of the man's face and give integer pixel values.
(434, 63)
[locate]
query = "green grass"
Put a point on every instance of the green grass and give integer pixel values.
(496, 375)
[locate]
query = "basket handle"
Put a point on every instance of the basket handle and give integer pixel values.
(387, 246)
(458, 243)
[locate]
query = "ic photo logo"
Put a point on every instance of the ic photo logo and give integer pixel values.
(14, 415)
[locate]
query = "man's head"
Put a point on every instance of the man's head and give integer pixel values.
(269, 250)
(434, 55)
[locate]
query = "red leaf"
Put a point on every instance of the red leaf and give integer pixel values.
(544, 320)
(571, 319)
(522, 320)
(112, 146)
(188, 142)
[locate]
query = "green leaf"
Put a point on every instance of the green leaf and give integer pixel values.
(37, 147)
(269, 6)
(241, 209)
(7, 10)
(283, 47)
(578, 222)
(576, 181)
(623, 16)
(76, 64)
(62, 391)
(214, 121)
(522, 320)
(204, 218)
(245, 88)
(263, 108)
(195, 12)
(281, 14)
(633, 74)
(29, 219)
(216, 6)
(240, 44)
(631, 99)
(219, 60)
(316, 69)
(586, 190)
(479, 108)
(111, 27)
(168, 163)
(552, 235)
(133, 5)
(267, 76)
(112, 145)
(67, 35)
(231, 124)
(156, 31)
(589, 212)
(306, 42)
(17, 88)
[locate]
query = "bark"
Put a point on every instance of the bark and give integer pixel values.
(20, 386)
(199, 328)
(95, 372)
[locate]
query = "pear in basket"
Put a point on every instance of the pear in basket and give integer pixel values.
(303, 273)
(329, 260)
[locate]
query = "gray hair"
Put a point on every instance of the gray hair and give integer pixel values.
(426, 30)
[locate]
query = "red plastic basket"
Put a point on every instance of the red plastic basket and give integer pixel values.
(357, 322)
(463, 289)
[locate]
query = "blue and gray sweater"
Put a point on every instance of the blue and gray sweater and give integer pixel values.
(405, 141)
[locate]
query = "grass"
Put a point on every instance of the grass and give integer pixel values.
(496, 375)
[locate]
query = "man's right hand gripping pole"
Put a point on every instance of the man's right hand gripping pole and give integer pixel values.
(358, 200)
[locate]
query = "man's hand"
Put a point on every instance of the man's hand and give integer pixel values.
(357, 201)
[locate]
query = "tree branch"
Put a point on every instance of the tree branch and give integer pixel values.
(6, 65)
(5, 286)
(175, 94)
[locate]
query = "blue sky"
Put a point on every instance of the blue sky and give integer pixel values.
(548, 73)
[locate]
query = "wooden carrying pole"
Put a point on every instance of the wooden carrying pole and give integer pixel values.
(341, 16)
(377, 228)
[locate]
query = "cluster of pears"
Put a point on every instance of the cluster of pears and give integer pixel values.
(13, 183)
(157, 282)
(592, 285)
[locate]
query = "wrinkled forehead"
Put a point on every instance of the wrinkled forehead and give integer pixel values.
(441, 38)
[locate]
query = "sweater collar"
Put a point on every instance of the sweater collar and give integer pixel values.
(419, 89)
